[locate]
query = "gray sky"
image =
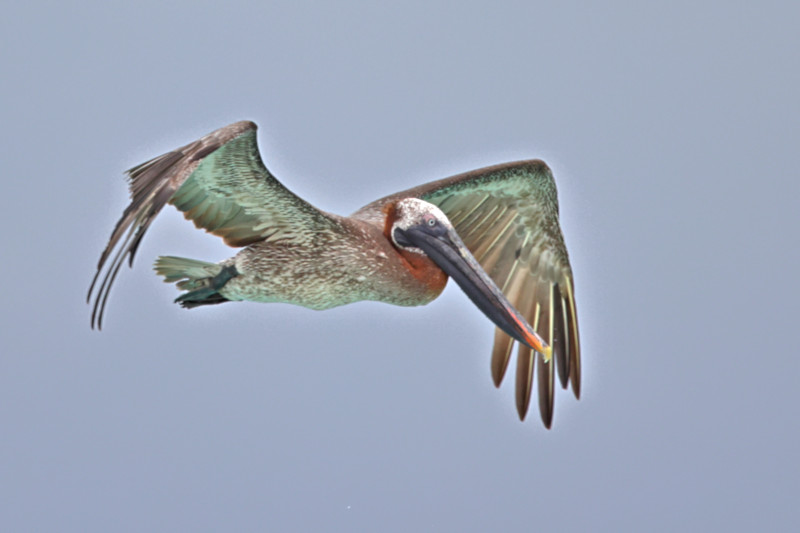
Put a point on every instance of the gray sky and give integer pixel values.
(672, 129)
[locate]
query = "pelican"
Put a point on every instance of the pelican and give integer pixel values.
(495, 231)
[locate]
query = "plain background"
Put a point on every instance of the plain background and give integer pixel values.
(672, 129)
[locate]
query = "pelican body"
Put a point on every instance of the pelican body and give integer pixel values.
(352, 261)
(495, 231)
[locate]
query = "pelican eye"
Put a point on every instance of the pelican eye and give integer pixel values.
(431, 221)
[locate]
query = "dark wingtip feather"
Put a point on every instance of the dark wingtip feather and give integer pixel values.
(522, 391)
(574, 340)
(560, 346)
(546, 389)
(576, 384)
(501, 353)
(545, 370)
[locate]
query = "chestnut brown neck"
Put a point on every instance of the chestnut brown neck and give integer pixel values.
(418, 264)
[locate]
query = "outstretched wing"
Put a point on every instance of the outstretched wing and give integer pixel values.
(221, 184)
(507, 215)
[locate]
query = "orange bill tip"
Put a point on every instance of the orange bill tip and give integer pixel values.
(531, 337)
(540, 346)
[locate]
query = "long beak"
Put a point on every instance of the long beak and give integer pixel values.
(449, 252)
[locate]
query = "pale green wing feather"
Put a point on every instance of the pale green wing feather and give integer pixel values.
(221, 184)
(507, 215)
(232, 194)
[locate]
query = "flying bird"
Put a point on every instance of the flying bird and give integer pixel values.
(495, 231)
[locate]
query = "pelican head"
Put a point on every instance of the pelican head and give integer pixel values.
(421, 227)
(413, 212)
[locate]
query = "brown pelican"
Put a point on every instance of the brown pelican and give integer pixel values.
(495, 231)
